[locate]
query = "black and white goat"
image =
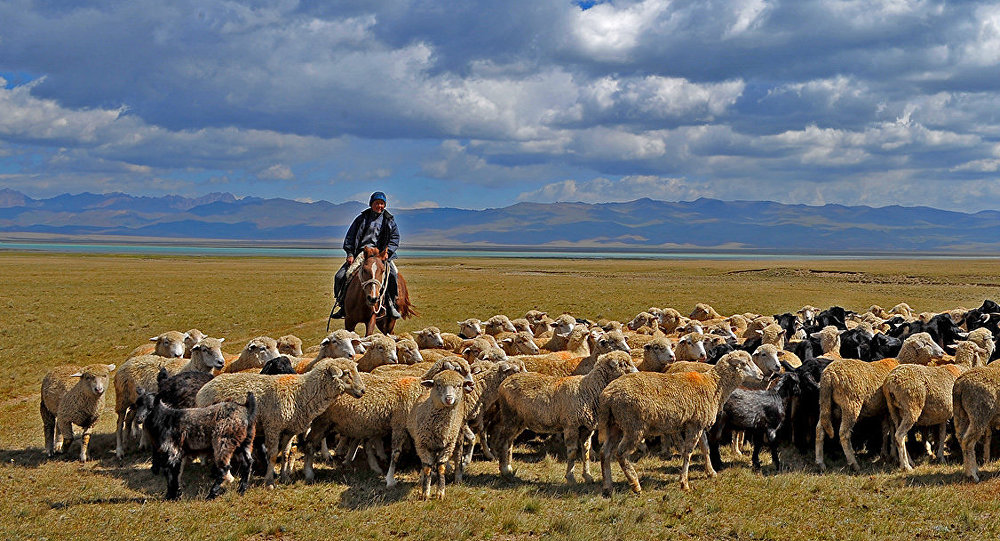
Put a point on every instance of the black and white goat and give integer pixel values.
(220, 432)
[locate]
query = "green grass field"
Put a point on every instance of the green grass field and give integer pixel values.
(60, 309)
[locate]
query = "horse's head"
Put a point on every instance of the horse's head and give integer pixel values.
(373, 275)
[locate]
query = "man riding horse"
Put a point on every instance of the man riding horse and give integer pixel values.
(373, 227)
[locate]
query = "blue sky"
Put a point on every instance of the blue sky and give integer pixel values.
(483, 104)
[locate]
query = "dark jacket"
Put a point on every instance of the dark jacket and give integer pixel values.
(388, 236)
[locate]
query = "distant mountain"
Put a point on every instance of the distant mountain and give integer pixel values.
(643, 224)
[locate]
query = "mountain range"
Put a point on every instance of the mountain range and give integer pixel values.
(643, 224)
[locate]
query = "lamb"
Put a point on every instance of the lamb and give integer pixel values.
(520, 343)
(258, 351)
(983, 338)
(72, 395)
(142, 371)
(976, 401)
(681, 406)
(856, 388)
(498, 324)
(169, 344)
(278, 365)
(435, 425)
(290, 344)
(762, 413)
(552, 405)
(287, 404)
(918, 395)
(220, 432)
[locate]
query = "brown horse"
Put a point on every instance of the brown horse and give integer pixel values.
(364, 301)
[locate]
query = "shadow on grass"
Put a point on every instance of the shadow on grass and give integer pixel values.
(369, 494)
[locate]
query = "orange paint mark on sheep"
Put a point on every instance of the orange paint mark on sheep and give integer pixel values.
(953, 370)
(286, 379)
(695, 377)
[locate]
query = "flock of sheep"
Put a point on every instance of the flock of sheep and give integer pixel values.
(683, 382)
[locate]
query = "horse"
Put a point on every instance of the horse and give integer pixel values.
(364, 301)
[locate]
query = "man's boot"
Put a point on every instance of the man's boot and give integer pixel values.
(390, 307)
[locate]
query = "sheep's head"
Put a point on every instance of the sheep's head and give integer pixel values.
(691, 326)
(534, 316)
(703, 312)
(344, 373)
(94, 377)
(607, 342)
(429, 337)
(522, 343)
(920, 348)
(475, 348)
(510, 366)
(829, 339)
(491, 354)
(615, 363)
(208, 351)
(642, 319)
(658, 353)
(408, 352)
(337, 345)
(261, 349)
(669, 319)
(522, 325)
(740, 362)
(447, 388)
(498, 324)
(766, 358)
(169, 344)
(470, 328)
(694, 343)
(563, 325)
(144, 403)
(384, 348)
(290, 345)
(192, 337)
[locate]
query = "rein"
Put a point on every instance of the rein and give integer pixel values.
(379, 304)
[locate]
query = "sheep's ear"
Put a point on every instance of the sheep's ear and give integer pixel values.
(466, 351)
(468, 386)
(508, 340)
(788, 367)
(222, 339)
(325, 342)
(815, 335)
(154, 339)
(336, 372)
(111, 367)
(429, 383)
(760, 332)
(77, 375)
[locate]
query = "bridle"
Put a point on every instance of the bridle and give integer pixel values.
(379, 305)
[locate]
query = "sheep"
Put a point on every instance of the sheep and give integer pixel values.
(667, 318)
(429, 338)
(760, 412)
(918, 395)
(775, 357)
(470, 328)
(856, 388)
(983, 338)
(258, 351)
(220, 431)
(976, 401)
(143, 370)
(482, 397)
(681, 406)
(168, 344)
(686, 366)
(520, 343)
(902, 309)
(829, 339)
(72, 395)
(559, 365)
(178, 391)
(656, 355)
(522, 325)
(561, 329)
(290, 344)
(286, 404)
(498, 324)
(756, 327)
(382, 350)
(278, 365)
(552, 405)
(704, 312)
(407, 352)
(643, 320)
(435, 425)
(338, 344)
(691, 347)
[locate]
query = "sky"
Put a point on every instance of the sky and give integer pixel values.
(480, 104)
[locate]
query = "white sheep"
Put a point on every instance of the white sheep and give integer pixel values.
(72, 395)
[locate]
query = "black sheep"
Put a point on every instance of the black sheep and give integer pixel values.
(278, 365)
(178, 391)
(223, 433)
(760, 414)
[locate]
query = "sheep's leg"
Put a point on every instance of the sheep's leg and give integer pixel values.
(289, 462)
(610, 443)
(820, 444)
(688, 442)
(942, 436)
(425, 482)
(848, 419)
(370, 452)
(66, 430)
(705, 451)
(484, 444)
(308, 451)
(219, 476)
(987, 444)
(755, 458)
(119, 428)
(353, 445)
(626, 447)
(49, 428)
(271, 445)
(572, 449)
(173, 471)
(586, 436)
(341, 449)
(903, 426)
(969, 440)
(506, 438)
(468, 440)
(398, 436)
(738, 443)
(244, 461)
(440, 475)
(773, 445)
(84, 443)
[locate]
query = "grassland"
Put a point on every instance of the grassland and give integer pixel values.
(80, 309)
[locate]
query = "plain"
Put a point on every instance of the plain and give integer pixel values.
(59, 309)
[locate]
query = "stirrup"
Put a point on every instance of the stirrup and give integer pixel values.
(338, 314)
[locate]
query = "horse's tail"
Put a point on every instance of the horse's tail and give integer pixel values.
(406, 308)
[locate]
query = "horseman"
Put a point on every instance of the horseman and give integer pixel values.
(373, 227)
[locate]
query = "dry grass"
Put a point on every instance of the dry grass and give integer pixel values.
(82, 309)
